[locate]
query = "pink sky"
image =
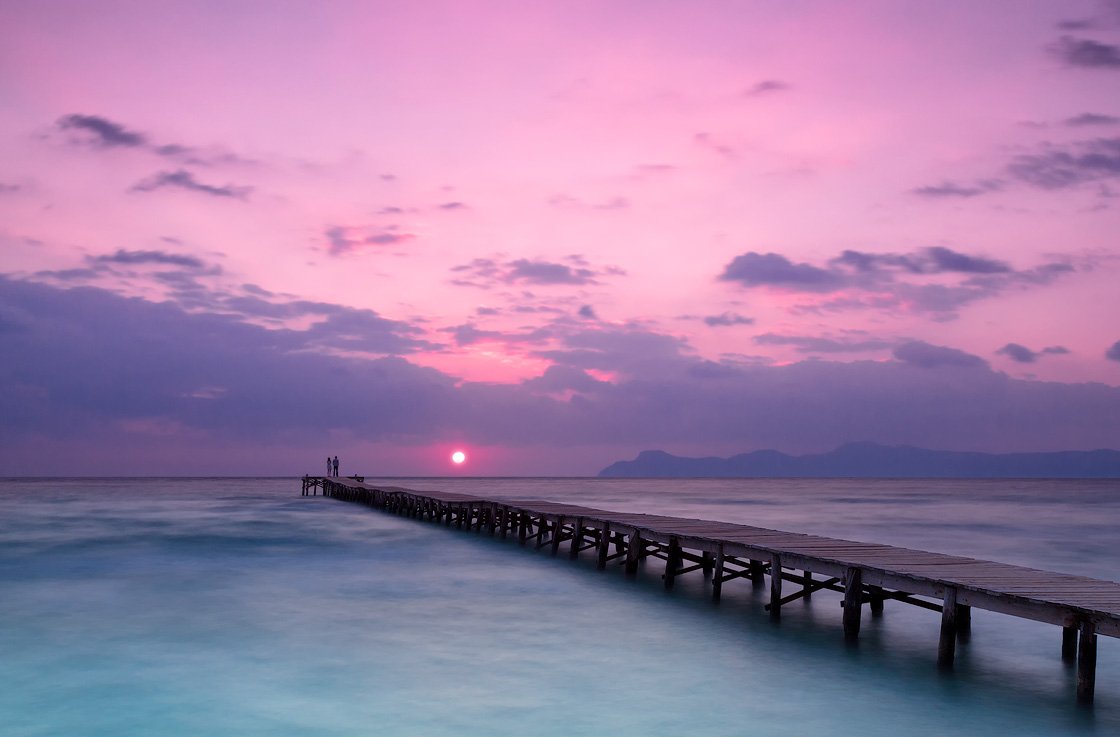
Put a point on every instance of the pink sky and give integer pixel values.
(619, 190)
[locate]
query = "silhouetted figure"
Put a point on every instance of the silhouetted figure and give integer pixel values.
(336, 465)
(328, 465)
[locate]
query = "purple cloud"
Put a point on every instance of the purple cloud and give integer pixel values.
(949, 189)
(162, 258)
(890, 280)
(1086, 53)
(818, 344)
(1022, 354)
(766, 87)
(1085, 119)
(573, 270)
(101, 132)
(727, 319)
(1055, 167)
(343, 239)
(183, 179)
(547, 272)
(1113, 353)
(753, 269)
(924, 355)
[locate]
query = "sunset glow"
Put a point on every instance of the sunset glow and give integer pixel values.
(458, 457)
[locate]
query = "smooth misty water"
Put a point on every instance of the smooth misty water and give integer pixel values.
(237, 607)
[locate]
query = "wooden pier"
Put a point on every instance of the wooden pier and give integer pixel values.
(865, 573)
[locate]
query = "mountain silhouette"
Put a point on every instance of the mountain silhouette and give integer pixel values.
(871, 460)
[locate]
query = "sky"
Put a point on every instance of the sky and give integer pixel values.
(236, 237)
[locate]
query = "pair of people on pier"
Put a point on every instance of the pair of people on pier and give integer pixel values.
(332, 466)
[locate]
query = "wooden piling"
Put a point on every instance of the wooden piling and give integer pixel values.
(604, 546)
(577, 538)
(672, 562)
(947, 643)
(853, 603)
(775, 586)
(1069, 644)
(717, 575)
(1086, 663)
(633, 553)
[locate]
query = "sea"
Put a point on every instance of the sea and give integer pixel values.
(236, 606)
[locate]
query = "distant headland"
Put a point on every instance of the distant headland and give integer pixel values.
(871, 460)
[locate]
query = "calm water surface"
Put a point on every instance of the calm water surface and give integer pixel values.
(237, 607)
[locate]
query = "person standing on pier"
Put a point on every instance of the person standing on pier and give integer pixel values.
(336, 465)
(328, 465)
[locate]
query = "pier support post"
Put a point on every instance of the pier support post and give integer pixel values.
(717, 575)
(604, 546)
(947, 645)
(758, 573)
(853, 603)
(522, 527)
(807, 584)
(672, 562)
(964, 622)
(557, 533)
(1069, 644)
(707, 562)
(1086, 663)
(633, 553)
(876, 600)
(577, 538)
(775, 586)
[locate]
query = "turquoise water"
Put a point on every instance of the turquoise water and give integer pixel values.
(238, 607)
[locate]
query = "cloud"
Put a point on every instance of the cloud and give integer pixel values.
(753, 269)
(87, 370)
(98, 132)
(1022, 354)
(573, 270)
(766, 87)
(6, 188)
(1085, 119)
(949, 189)
(164, 258)
(343, 239)
(890, 281)
(819, 344)
(1083, 24)
(727, 319)
(101, 132)
(926, 356)
(547, 272)
(453, 206)
(183, 179)
(1113, 353)
(587, 312)
(1086, 53)
(1058, 167)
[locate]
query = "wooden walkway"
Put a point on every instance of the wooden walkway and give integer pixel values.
(865, 573)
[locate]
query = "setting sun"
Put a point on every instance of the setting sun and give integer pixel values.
(458, 457)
